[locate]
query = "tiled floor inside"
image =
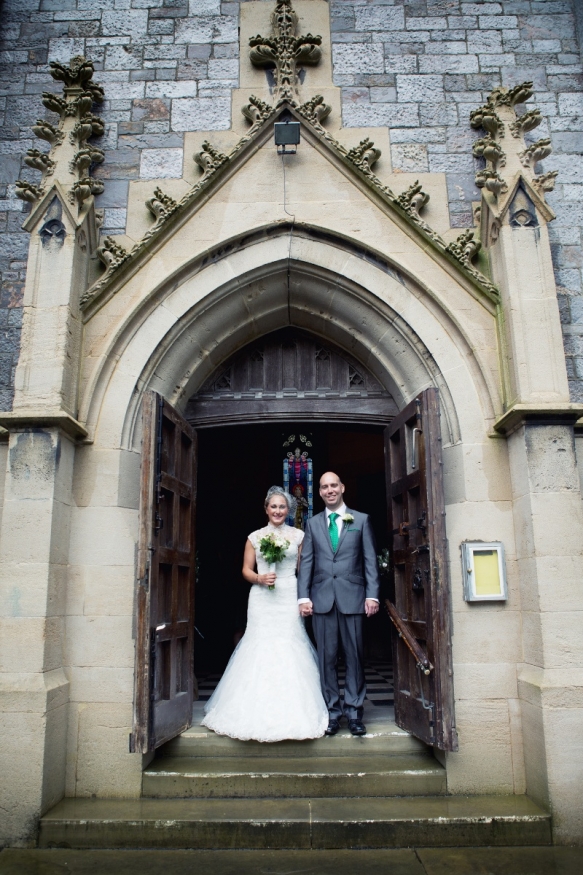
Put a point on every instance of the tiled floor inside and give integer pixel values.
(379, 683)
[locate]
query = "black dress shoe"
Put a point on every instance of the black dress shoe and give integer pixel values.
(333, 727)
(357, 727)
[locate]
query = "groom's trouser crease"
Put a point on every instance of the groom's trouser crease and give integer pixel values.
(329, 630)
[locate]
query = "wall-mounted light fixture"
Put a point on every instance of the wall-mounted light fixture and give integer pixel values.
(483, 571)
(287, 133)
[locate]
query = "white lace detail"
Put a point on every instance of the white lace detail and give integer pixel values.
(270, 690)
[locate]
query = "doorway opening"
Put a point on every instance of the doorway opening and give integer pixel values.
(237, 464)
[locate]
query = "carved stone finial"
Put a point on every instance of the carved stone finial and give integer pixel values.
(365, 155)
(486, 117)
(465, 248)
(526, 122)
(285, 51)
(546, 181)
(315, 110)
(45, 131)
(84, 188)
(510, 96)
(26, 191)
(490, 150)
(209, 159)
(413, 199)
(111, 253)
(76, 121)
(84, 158)
(491, 181)
(256, 111)
(79, 73)
(160, 204)
(39, 161)
(536, 152)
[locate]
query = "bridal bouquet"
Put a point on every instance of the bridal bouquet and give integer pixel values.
(273, 548)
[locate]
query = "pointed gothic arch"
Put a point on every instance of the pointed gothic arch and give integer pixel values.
(405, 334)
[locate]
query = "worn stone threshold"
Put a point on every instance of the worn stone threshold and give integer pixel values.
(436, 821)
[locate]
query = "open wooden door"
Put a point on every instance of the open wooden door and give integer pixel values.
(164, 670)
(424, 701)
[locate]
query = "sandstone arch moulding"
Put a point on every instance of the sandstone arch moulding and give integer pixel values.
(192, 321)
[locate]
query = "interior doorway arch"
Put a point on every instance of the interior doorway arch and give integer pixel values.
(286, 374)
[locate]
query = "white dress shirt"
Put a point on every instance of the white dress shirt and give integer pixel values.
(338, 521)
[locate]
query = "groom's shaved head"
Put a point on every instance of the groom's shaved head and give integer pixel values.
(330, 476)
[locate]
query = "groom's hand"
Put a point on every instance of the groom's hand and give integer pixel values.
(306, 609)
(371, 607)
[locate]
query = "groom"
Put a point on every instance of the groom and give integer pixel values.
(338, 582)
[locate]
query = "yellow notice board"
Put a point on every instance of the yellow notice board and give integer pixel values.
(487, 572)
(483, 571)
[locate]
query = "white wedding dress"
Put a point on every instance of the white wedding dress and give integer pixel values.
(270, 690)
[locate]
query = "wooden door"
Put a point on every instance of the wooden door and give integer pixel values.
(164, 671)
(424, 701)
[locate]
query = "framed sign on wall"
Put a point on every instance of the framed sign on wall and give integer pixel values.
(483, 571)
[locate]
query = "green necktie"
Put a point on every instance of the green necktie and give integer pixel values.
(333, 529)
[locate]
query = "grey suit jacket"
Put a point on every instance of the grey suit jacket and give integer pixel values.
(346, 577)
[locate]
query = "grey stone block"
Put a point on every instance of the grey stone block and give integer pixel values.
(566, 142)
(207, 29)
(201, 114)
(199, 52)
(356, 95)
(10, 167)
(444, 113)
(386, 18)
(169, 14)
(381, 80)
(448, 64)
(124, 22)
(421, 88)
(226, 50)
(161, 26)
(383, 94)
(418, 135)
(380, 114)
(115, 194)
(410, 158)
(547, 26)
(352, 59)
(125, 57)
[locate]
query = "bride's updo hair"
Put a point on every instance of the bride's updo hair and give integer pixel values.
(289, 499)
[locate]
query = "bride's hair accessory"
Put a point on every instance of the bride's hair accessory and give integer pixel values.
(289, 500)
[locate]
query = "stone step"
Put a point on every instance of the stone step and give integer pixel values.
(382, 738)
(254, 777)
(440, 821)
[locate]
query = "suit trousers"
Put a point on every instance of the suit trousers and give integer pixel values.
(329, 630)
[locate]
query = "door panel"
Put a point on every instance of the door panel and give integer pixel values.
(164, 672)
(424, 701)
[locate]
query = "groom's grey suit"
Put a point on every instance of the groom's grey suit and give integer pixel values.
(338, 584)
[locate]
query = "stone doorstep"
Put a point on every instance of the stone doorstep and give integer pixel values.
(442, 821)
(382, 738)
(208, 777)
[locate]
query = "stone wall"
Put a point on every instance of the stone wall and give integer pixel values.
(418, 66)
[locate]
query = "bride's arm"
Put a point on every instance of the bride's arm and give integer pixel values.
(249, 573)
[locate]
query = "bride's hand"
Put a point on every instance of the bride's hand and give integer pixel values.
(266, 579)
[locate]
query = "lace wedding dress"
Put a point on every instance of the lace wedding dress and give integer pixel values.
(270, 690)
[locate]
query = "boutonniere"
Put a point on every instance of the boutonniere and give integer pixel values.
(347, 518)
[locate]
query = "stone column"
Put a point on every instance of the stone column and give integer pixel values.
(538, 423)
(549, 537)
(35, 523)
(34, 545)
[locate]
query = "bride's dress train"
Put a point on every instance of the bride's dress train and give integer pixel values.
(270, 690)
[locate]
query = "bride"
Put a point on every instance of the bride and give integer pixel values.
(270, 690)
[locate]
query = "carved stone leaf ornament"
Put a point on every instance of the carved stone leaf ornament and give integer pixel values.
(76, 120)
(284, 50)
